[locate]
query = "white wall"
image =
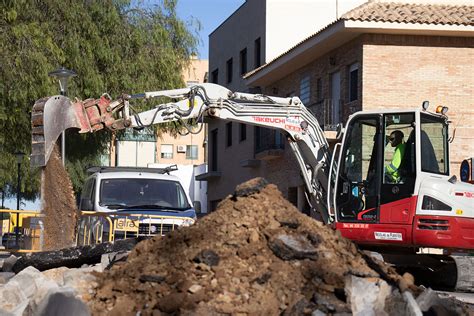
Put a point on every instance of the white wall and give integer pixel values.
(200, 187)
(135, 153)
(197, 190)
(290, 22)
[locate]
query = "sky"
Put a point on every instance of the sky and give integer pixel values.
(211, 13)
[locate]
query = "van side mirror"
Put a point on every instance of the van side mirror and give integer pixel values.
(197, 206)
(86, 205)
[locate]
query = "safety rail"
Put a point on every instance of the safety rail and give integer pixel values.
(97, 227)
(21, 230)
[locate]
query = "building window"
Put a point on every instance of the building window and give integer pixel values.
(268, 139)
(305, 89)
(257, 53)
(243, 61)
(228, 132)
(191, 152)
(319, 90)
(353, 82)
(167, 151)
(215, 76)
(242, 132)
(229, 70)
(214, 149)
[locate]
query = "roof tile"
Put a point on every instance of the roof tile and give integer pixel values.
(396, 12)
(412, 13)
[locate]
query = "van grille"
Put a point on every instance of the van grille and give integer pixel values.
(144, 229)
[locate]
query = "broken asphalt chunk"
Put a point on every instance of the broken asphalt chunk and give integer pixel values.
(290, 247)
(208, 257)
(250, 187)
(151, 278)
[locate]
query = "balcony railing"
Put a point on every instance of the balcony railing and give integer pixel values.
(268, 139)
(328, 112)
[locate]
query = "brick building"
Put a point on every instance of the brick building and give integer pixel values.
(379, 55)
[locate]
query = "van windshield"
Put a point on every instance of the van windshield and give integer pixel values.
(146, 193)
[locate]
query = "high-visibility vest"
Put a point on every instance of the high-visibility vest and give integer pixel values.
(392, 169)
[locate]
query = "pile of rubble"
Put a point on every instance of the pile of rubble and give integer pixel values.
(256, 255)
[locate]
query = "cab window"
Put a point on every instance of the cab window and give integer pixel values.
(399, 150)
(399, 163)
(434, 145)
(357, 180)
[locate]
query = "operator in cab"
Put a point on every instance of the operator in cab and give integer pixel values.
(392, 174)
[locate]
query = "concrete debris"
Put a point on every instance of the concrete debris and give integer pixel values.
(109, 259)
(5, 276)
(12, 299)
(432, 303)
(59, 291)
(62, 302)
(375, 292)
(412, 308)
(288, 247)
(8, 263)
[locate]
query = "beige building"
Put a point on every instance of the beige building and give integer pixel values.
(379, 55)
(140, 149)
(185, 149)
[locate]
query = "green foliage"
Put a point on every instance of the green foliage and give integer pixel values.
(112, 46)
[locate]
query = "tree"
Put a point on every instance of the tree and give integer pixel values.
(113, 46)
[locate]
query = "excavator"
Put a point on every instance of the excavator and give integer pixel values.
(347, 187)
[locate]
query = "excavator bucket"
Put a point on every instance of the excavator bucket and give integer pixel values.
(50, 117)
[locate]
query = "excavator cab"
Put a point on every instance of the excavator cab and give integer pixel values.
(376, 179)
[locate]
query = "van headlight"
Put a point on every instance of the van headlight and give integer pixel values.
(187, 222)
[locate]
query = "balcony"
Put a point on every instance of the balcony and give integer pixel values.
(328, 113)
(269, 144)
(210, 175)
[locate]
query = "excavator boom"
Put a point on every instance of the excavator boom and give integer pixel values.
(52, 116)
(331, 194)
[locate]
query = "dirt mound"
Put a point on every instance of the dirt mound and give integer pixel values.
(59, 205)
(256, 255)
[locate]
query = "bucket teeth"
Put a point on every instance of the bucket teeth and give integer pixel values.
(37, 134)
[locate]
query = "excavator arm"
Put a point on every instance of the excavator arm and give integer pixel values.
(53, 115)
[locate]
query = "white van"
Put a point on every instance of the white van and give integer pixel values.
(155, 197)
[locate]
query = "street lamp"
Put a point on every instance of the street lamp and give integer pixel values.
(63, 75)
(19, 158)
